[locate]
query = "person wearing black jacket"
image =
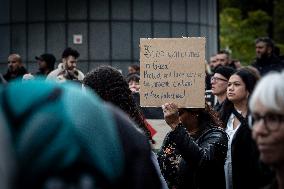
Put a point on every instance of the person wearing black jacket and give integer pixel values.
(242, 166)
(266, 60)
(16, 68)
(193, 153)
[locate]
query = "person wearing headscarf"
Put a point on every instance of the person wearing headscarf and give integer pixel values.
(65, 138)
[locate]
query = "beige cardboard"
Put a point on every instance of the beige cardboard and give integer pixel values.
(172, 70)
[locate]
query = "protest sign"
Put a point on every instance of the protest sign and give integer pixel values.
(172, 70)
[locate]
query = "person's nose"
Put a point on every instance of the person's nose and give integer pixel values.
(230, 88)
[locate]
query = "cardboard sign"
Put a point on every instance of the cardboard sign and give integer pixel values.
(172, 70)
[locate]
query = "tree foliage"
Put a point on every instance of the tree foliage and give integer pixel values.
(247, 14)
(278, 22)
(238, 34)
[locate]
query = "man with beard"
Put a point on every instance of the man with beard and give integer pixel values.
(222, 58)
(266, 60)
(16, 68)
(67, 70)
(213, 62)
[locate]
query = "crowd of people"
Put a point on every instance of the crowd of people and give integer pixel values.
(88, 131)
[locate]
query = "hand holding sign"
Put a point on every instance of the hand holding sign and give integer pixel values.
(171, 114)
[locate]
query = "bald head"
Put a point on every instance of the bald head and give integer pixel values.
(16, 57)
(14, 62)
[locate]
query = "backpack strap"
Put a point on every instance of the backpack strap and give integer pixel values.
(243, 120)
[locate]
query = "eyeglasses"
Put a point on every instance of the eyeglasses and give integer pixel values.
(271, 120)
(218, 79)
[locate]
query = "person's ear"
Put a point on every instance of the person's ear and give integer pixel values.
(247, 94)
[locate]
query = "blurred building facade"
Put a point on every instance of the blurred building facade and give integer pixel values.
(107, 31)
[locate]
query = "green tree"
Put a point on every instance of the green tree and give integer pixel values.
(279, 24)
(273, 8)
(238, 34)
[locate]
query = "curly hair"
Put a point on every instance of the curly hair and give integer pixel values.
(111, 86)
(70, 52)
(214, 117)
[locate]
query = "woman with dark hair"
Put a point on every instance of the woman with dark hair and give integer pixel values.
(133, 82)
(193, 153)
(242, 168)
(111, 86)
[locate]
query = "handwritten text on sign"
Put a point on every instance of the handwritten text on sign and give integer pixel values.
(172, 70)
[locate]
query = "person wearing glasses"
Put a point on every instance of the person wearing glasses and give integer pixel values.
(193, 153)
(267, 107)
(242, 166)
(219, 83)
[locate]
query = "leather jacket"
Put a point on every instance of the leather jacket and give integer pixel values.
(197, 161)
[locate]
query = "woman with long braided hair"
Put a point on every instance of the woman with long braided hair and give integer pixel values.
(111, 86)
